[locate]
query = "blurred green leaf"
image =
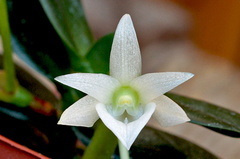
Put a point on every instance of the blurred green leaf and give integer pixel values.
(69, 21)
(210, 116)
(99, 54)
(34, 39)
(20, 96)
(36, 42)
(153, 143)
(29, 81)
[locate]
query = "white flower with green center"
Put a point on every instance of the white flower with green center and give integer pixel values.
(125, 100)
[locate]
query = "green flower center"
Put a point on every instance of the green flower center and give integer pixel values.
(126, 99)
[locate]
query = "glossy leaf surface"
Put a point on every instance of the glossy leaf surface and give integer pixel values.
(69, 21)
(34, 39)
(153, 143)
(99, 54)
(209, 115)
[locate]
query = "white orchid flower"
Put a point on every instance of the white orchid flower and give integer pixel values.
(125, 100)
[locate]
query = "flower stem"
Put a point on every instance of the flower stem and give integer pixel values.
(123, 151)
(8, 64)
(103, 144)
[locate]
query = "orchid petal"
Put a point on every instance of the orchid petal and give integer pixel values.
(81, 113)
(168, 113)
(125, 59)
(99, 86)
(153, 85)
(125, 132)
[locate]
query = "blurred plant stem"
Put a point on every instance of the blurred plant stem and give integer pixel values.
(10, 91)
(7, 56)
(103, 144)
(124, 154)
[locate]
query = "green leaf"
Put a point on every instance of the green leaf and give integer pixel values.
(69, 21)
(210, 116)
(20, 96)
(153, 143)
(35, 41)
(99, 54)
(29, 81)
(47, 56)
